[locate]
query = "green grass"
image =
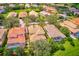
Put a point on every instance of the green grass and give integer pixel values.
(69, 49)
(5, 15)
(19, 10)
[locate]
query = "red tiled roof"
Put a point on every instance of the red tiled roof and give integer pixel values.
(72, 28)
(75, 21)
(12, 14)
(36, 37)
(35, 29)
(50, 9)
(33, 13)
(69, 23)
(16, 35)
(36, 33)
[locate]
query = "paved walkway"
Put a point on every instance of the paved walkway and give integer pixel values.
(22, 24)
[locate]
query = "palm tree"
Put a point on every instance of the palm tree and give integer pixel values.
(26, 20)
(41, 20)
(27, 47)
(11, 22)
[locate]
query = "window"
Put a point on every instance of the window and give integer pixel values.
(57, 38)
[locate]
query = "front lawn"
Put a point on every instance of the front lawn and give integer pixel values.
(19, 10)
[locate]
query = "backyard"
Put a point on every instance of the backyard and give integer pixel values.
(69, 49)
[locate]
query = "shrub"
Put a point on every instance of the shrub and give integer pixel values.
(8, 52)
(62, 41)
(65, 31)
(40, 48)
(1, 16)
(28, 10)
(62, 47)
(71, 41)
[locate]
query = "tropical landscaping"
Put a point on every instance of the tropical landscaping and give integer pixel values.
(39, 29)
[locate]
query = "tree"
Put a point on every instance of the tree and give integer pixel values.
(2, 19)
(71, 41)
(65, 31)
(76, 5)
(8, 9)
(40, 48)
(32, 18)
(19, 51)
(8, 52)
(43, 47)
(27, 51)
(1, 50)
(53, 19)
(62, 41)
(26, 21)
(54, 46)
(41, 21)
(62, 47)
(17, 7)
(11, 22)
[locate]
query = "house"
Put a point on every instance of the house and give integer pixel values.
(70, 24)
(45, 13)
(33, 13)
(35, 5)
(2, 10)
(75, 21)
(74, 10)
(36, 33)
(2, 35)
(12, 14)
(1, 7)
(53, 32)
(27, 5)
(50, 9)
(22, 14)
(58, 4)
(72, 27)
(12, 5)
(16, 37)
(21, 4)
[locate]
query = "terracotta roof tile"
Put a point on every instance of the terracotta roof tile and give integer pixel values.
(75, 21)
(69, 23)
(53, 31)
(50, 9)
(72, 28)
(37, 37)
(35, 29)
(33, 13)
(12, 14)
(36, 33)
(16, 35)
